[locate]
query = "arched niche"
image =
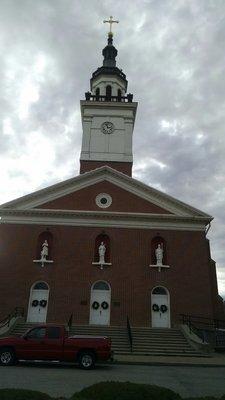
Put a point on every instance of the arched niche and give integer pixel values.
(46, 235)
(119, 94)
(154, 244)
(106, 240)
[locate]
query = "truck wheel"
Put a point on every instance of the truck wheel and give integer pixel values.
(7, 357)
(86, 360)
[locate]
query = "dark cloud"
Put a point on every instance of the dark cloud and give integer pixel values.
(173, 55)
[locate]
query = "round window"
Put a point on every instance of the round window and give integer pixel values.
(103, 200)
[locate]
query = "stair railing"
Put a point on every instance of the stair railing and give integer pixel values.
(208, 329)
(129, 332)
(186, 320)
(17, 312)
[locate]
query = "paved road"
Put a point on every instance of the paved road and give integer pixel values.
(58, 380)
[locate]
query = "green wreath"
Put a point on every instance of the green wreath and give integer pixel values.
(43, 303)
(105, 305)
(95, 305)
(155, 308)
(163, 308)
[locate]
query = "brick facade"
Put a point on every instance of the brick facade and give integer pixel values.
(191, 279)
(124, 167)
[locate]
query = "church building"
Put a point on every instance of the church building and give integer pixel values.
(103, 246)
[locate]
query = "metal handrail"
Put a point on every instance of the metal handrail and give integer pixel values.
(123, 99)
(218, 323)
(208, 329)
(129, 332)
(17, 312)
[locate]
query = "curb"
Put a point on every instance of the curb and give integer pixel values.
(172, 364)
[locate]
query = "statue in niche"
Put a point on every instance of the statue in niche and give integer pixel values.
(101, 252)
(159, 254)
(44, 251)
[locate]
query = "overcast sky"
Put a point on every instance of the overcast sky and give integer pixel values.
(172, 52)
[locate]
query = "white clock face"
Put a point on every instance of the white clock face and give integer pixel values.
(107, 127)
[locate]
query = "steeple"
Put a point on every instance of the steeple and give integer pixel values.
(108, 115)
(109, 67)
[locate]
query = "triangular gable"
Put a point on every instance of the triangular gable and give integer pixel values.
(154, 197)
(85, 199)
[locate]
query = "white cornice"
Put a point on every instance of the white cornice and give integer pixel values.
(103, 219)
(113, 176)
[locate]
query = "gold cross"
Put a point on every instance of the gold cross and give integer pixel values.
(110, 21)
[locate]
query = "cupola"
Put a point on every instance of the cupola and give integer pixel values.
(108, 80)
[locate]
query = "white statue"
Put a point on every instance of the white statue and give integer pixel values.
(101, 252)
(44, 251)
(159, 254)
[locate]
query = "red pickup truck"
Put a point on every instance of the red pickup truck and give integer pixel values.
(53, 343)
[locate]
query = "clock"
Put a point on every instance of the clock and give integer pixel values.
(107, 127)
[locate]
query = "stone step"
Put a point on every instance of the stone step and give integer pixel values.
(157, 337)
(157, 340)
(162, 351)
(160, 344)
(163, 345)
(122, 337)
(99, 331)
(154, 335)
(156, 331)
(77, 331)
(166, 353)
(111, 328)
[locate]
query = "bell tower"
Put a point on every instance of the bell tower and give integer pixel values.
(108, 116)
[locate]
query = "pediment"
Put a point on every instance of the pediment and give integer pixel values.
(87, 199)
(128, 195)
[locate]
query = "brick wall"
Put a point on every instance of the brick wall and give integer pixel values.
(125, 167)
(189, 280)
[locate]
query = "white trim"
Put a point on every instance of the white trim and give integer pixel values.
(101, 265)
(159, 266)
(109, 174)
(110, 105)
(107, 197)
(43, 262)
(103, 219)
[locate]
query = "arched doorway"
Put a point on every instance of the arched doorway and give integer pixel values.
(160, 306)
(38, 302)
(100, 303)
